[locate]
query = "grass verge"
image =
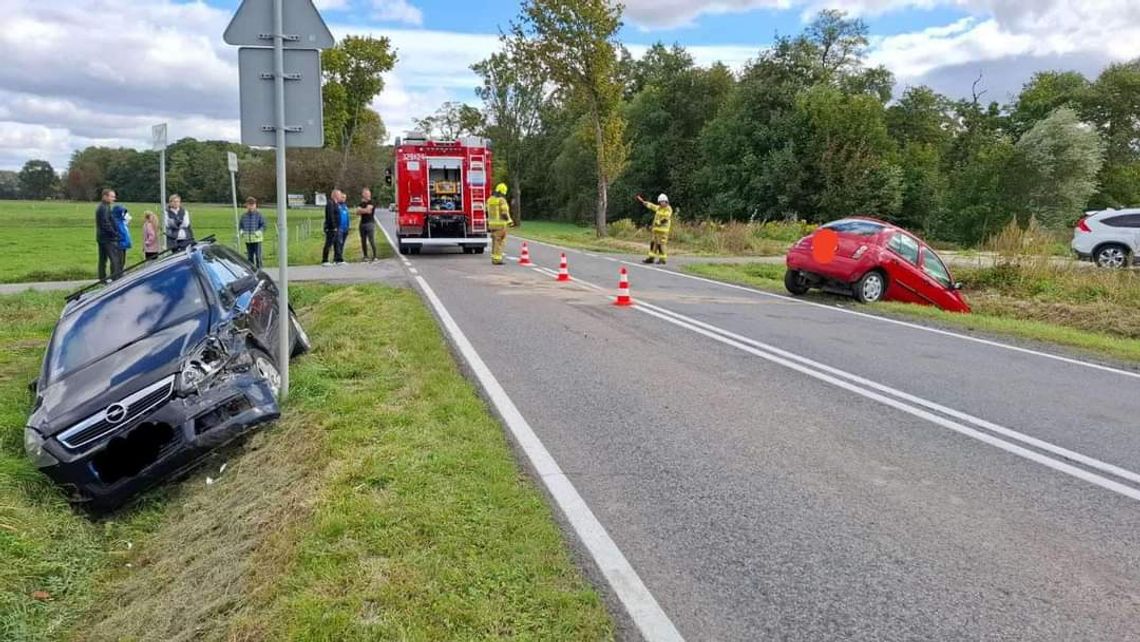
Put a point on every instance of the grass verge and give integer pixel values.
(1010, 314)
(55, 240)
(686, 238)
(385, 505)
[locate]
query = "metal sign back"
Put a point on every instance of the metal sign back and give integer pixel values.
(304, 28)
(158, 137)
(304, 120)
(231, 161)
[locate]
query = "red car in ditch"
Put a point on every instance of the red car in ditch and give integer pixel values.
(874, 261)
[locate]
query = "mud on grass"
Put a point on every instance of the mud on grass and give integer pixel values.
(386, 505)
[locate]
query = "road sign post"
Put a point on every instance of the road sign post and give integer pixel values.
(231, 162)
(158, 142)
(268, 114)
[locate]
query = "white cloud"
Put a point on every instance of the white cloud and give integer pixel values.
(330, 5)
(397, 11)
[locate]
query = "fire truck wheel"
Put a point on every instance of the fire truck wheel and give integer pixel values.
(403, 249)
(480, 250)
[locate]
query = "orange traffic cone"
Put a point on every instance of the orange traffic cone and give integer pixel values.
(524, 260)
(563, 271)
(623, 297)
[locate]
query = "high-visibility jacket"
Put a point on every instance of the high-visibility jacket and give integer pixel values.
(498, 213)
(662, 217)
(252, 227)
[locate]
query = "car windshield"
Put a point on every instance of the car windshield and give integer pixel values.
(855, 226)
(123, 317)
(934, 266)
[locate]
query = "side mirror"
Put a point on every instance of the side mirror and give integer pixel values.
(957, 285)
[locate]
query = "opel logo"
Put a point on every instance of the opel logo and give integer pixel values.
(115, 413)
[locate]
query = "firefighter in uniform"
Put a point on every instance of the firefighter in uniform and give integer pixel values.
(498, 220)
(662, 221)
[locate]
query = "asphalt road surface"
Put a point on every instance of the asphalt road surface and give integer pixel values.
(776, 469)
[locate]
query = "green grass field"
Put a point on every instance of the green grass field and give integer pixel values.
(55, 241)
(385, 505)
(1006, 301)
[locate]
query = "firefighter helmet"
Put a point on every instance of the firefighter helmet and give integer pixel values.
(501, 188)
(661, 198)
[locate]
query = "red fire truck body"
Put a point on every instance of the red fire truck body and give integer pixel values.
(441, 193)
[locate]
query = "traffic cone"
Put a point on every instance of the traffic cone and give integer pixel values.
(623, 297)
(524, 260)
(563, 271)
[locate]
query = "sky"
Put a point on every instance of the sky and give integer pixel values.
(101, 72)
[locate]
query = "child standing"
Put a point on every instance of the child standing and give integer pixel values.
(151, 247)
(122, 218)
(252, 231)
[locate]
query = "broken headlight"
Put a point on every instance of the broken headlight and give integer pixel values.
(34, 447)
(202, 364)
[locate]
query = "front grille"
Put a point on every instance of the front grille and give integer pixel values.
(135, 406)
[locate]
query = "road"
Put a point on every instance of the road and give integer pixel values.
(775, 469)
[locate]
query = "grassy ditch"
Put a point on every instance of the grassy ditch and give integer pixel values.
(55, 240)
(1088, 309)
(386, 505)
(686, 238)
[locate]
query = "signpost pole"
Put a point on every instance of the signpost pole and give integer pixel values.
(231, 161)
(284, 321)
(158, 136)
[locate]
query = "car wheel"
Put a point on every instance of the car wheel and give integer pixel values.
(795, 282)
(1112, 256)
(265, 368)
(871, 287)
(301, 343)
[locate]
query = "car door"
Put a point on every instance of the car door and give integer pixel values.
(938, 288)
(901, 261)
(258, 299)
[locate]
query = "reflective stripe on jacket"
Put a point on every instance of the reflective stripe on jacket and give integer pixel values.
(662, 217)
(498, 213)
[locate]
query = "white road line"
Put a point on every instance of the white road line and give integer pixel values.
(914, 326)
(626, 584)
(412, 270)
(866, 388)
(875, 317)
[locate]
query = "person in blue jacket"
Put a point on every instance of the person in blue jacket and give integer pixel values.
(344, 221)
(122, 219)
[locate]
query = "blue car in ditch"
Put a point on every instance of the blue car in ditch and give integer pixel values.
(146, 374)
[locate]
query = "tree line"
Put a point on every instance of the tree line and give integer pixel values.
(806, 130)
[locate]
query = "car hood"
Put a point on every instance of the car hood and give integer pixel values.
(81, 393)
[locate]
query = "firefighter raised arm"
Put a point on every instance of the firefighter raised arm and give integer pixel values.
(662, 222)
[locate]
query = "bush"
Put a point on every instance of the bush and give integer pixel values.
(622, 228)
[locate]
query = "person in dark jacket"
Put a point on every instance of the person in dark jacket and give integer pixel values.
(332, 229)
(367, 213)
(107, 237)
(179, 234)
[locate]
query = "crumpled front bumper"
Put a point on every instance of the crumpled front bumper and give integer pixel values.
(164, 442)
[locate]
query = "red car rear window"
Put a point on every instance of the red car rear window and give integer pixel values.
(854, 226)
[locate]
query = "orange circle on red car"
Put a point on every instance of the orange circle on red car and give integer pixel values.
(824, 244)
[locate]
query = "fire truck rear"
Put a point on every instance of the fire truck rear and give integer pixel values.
(441, 193)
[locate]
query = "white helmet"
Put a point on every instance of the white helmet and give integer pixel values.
(661, 198)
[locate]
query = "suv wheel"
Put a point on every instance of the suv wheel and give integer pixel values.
(1112, 256)
(871, 288)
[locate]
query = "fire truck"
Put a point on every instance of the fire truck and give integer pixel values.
(441, 193)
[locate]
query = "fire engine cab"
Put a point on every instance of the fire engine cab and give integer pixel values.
(441, 193)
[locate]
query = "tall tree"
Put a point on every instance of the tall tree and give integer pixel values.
(1046, 91)
(1058, 161)
(353, 77)
(572, 43)
(38, 180)
(512, 96)
(452, 120)
(9, 185)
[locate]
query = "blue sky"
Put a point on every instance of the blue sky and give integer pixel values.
(164, 61)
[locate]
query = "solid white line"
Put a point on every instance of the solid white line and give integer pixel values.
(818, 371)
(643, 609)
(913, 326)
(875, 317)
(650, 619)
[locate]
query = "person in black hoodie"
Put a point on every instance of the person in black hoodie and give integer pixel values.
(107, 236)
(332, 230)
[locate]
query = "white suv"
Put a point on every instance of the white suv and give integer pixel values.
(1109, 238)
